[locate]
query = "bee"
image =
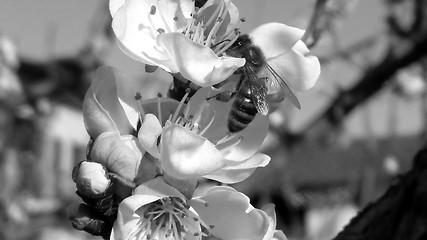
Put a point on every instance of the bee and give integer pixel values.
(251, 94)
(179, 88)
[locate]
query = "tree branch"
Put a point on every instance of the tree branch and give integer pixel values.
(401, 213)
(369, 84)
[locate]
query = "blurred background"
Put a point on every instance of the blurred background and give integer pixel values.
(358, 129)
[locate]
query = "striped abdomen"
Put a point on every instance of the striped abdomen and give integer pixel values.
(242, 111)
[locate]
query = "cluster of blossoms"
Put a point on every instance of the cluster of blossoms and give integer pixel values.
(148, 156)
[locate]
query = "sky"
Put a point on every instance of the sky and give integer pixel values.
(44, 28)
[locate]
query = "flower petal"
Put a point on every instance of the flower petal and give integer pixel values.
(156, 189)
(97, 120)
(251, 139)
(279, 235)
(275, 38)
(127, 218)
(298, 69)
(187, 7)
(236, 172)
(126, 88)
(114, 5)
(231, 214)
(196, 62)
(243, 144)
(187, 155)
(120, 155)
(102, 111)
(138, 23)
(199, 110)
(269, 210)
(148, 134)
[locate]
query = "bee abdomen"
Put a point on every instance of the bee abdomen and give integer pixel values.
(242, 113)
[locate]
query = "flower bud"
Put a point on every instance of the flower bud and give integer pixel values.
(91, 179)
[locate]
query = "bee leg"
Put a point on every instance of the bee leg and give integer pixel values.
(223, 97)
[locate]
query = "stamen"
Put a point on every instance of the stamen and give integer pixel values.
(196, 37)
(208, 125)
(229, 44)
(224, 139)
(229, 144)
(161, 30)
(230, 31)
(187, 110)
(159, 110)
(175, 229)
(188, 27)
(195, 128)
(178, 109)
(138, 98)
(218, 46)
(158, 227)
(198, 114)
(216, 13)
(213, 32)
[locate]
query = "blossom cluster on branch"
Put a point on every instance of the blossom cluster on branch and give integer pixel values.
(151, 162)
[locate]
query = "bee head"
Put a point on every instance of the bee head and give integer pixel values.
(254, 56)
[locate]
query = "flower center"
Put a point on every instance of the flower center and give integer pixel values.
(168, 218)
(199, 122)
(191, 122)
(209, 27)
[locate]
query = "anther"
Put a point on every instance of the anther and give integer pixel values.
(196, 234)
(153, 10)
(243, 19)
(211, 226)
(160, 30)
(138, 96)
(206, 204)
(175, 18)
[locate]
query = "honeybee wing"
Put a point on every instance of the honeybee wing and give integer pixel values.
(259, 90)
(276, 81)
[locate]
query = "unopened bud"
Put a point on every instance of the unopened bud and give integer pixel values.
(91, 179)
